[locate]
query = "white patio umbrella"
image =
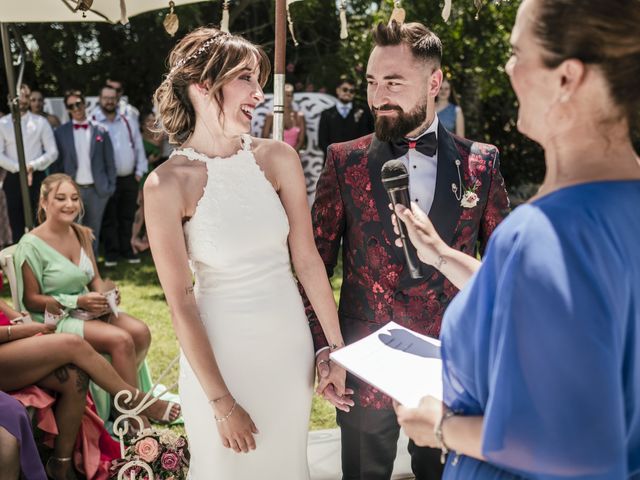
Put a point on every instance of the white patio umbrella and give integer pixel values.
(54, 11)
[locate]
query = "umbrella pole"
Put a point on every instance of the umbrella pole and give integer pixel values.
(278, 69)
(17, 126)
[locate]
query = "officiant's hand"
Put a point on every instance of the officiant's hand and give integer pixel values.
(236, 432)
(420, 423)
(422, 233)
(331, 382)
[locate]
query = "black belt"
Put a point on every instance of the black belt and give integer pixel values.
(85, 186)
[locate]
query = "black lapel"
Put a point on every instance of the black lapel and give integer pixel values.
(446, 210)
(379, 152)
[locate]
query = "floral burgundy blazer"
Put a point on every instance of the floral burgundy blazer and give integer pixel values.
(351, 208)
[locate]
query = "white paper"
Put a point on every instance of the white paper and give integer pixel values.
(397, 361)
(112, 295)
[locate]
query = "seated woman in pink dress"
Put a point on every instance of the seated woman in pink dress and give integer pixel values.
(294, 123)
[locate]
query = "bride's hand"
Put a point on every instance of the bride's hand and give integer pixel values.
(236, 432)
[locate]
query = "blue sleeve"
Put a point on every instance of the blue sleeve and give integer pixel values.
(555, 407)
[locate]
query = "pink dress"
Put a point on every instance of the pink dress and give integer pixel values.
(290, 136)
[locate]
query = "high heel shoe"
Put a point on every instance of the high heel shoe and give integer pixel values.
(67, 473)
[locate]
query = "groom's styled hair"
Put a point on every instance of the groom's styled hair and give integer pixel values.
(424, 44)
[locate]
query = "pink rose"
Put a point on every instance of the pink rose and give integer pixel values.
(98, 138)
(170, 461)
(147, 449)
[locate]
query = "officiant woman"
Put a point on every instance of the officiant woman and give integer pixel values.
(541, 348)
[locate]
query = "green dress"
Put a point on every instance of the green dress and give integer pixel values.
(65, 281)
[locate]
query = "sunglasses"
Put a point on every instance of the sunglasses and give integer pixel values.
(75, 105)
(348, 90)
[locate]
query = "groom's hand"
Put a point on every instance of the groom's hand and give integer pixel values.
(331, 382)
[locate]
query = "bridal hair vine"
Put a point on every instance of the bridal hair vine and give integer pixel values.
(203, 48)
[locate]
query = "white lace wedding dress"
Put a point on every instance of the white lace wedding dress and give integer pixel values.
(255, 321)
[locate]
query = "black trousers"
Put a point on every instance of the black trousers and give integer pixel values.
(11, 187)
(369, 441)
(118, 218)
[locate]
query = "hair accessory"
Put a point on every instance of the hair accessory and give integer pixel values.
(205, 46)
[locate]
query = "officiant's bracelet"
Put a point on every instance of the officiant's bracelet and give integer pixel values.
(444, 450)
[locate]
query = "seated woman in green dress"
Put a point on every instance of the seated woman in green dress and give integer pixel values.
(56, 267)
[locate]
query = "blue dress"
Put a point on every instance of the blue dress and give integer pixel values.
(448, 116)
(544, 341)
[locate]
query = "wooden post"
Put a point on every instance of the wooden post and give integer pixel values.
(279, 69)
(17, 126)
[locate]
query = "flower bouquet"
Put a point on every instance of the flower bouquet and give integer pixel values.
(153, 455)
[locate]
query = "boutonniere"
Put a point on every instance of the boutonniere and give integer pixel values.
(98, 138)
(467, 197)
(358, 114)
(470, 199)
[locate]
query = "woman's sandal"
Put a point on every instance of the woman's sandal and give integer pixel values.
(68, 474)
(171, 413)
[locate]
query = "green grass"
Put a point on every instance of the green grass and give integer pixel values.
(143, 298)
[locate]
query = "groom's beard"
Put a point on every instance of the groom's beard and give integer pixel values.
(388, 128)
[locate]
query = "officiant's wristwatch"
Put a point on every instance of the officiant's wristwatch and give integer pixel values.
(444, 450)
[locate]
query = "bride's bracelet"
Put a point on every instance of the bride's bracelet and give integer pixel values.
(226, 417)
(221, 397)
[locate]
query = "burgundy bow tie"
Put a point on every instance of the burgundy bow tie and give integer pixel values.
(427, 145)
(77, 126)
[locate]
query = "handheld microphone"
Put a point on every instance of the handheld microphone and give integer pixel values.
(395, 179)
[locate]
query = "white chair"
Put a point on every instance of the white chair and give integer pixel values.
(9, 271)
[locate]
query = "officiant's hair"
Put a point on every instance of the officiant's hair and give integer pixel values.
(205, 56)
(600, 34)
(424, 44)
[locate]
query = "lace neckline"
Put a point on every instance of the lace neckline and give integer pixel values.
(193, 154)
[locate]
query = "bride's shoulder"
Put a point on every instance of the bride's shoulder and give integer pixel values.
(177, 173)
(269, 151)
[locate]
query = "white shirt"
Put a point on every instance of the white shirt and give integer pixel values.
(82, 142)
(40, 149)
(128, 149)
(422, 172)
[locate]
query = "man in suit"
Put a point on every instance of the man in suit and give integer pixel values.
(344, 121)
(456, 180)
(86, 155)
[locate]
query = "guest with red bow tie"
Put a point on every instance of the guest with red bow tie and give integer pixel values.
(86, 155)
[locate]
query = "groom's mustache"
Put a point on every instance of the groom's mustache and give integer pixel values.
(387, 108)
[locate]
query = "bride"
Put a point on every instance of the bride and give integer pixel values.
(230, 211)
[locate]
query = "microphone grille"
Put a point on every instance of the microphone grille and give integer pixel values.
(393, 168)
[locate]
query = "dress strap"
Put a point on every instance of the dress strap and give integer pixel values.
(246, 142)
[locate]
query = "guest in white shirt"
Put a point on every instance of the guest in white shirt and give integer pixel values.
(86, 155)
(40, 151)
(131, 165)
(124, 107)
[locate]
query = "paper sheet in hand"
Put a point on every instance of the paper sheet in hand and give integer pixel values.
(397, 361)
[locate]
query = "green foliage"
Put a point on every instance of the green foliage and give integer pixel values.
(476, 48)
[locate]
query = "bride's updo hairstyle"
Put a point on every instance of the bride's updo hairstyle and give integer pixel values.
(601, 34)
(205, 56)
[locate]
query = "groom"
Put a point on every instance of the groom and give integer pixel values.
(456, 180)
